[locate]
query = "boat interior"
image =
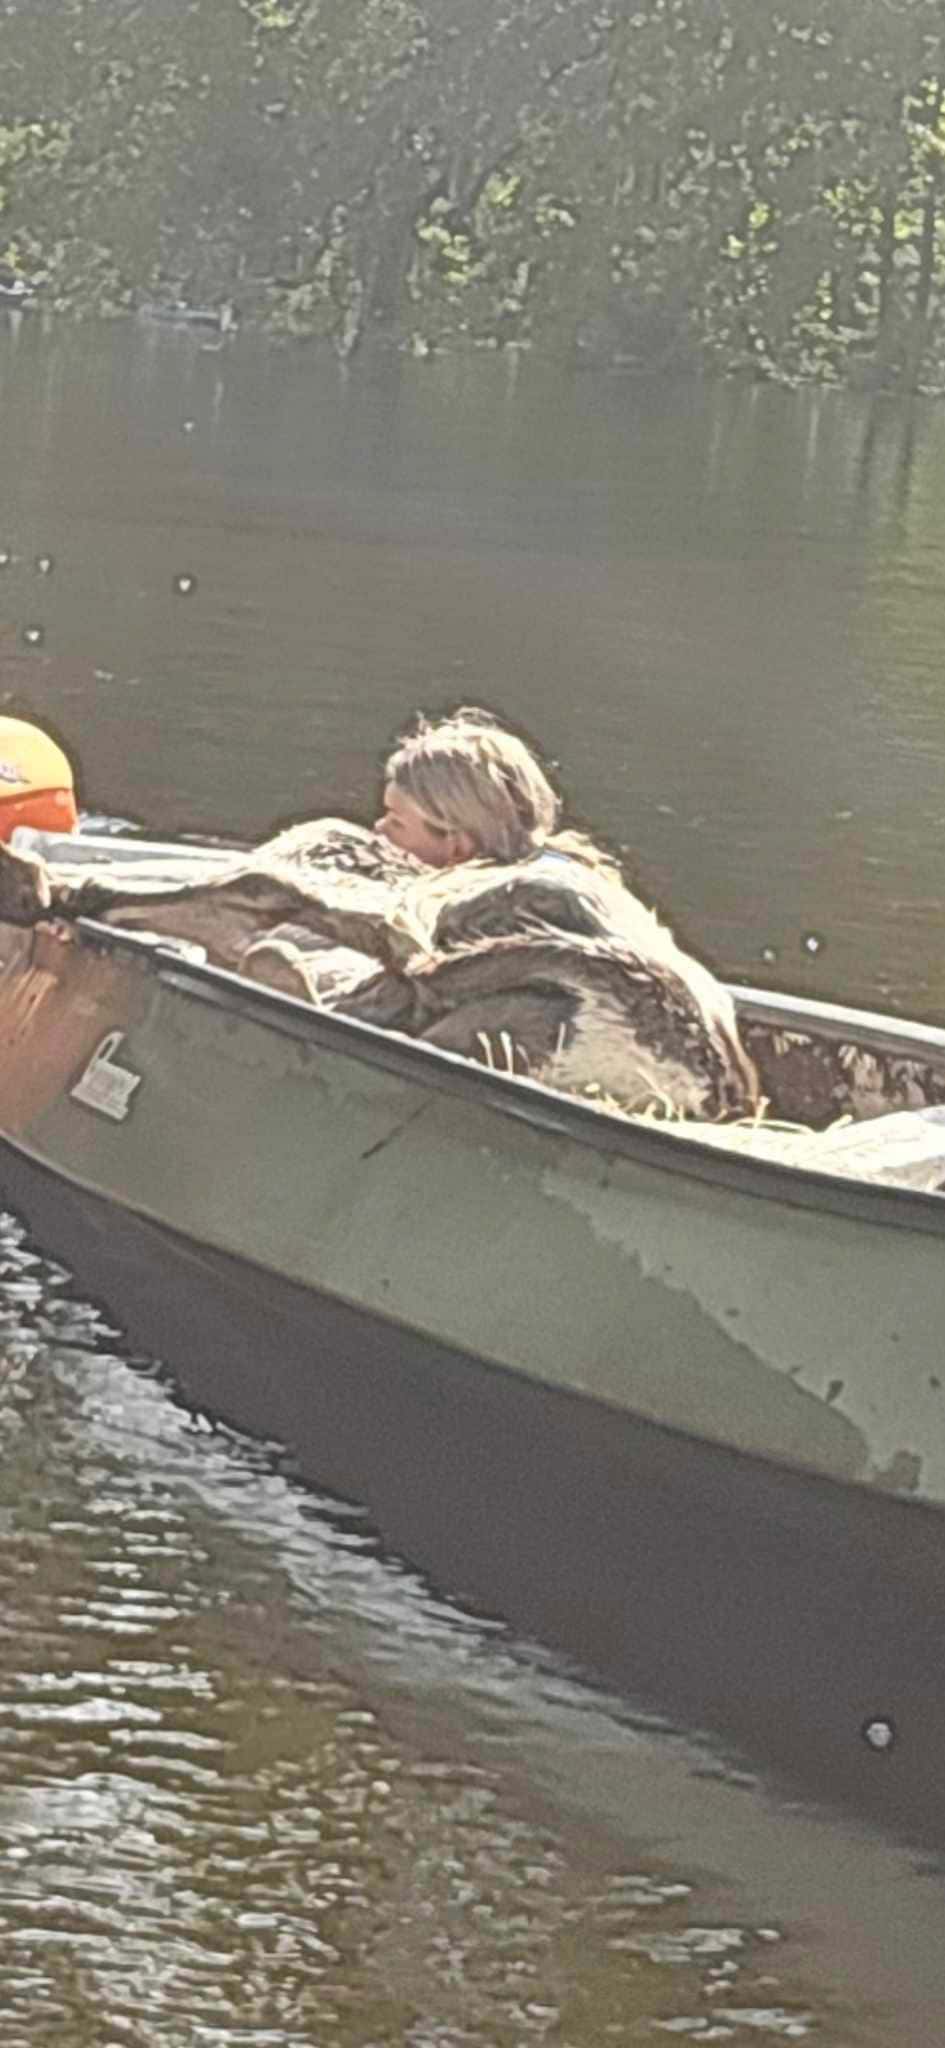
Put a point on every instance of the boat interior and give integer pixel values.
(843, 1092)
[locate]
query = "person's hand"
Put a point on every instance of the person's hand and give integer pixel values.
(25, 887)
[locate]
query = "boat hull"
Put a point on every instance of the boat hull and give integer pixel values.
(765, 1310)
(664, 1409)
(783, 1613)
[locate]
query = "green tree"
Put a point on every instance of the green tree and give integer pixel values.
(756, 185)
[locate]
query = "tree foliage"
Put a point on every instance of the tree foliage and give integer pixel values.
(749, 184)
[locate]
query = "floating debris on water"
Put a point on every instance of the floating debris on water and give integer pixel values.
(880, 1734)
(812, 943)
(769, 955)
(34, 635)
(44, 565)
(185, 585)
(5, 558)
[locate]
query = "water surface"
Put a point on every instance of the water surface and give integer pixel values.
(259, 1784)
(720, 609)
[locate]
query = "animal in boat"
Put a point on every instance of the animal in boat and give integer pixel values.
(547, 966)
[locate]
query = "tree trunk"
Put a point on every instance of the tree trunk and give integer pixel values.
(922, 307)
(885, 336)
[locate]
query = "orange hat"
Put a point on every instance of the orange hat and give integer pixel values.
(36, 782)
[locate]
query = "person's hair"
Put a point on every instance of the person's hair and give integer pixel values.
(467, 773)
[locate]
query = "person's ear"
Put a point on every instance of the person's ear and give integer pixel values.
(462, 846)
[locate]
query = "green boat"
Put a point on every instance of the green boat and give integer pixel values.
(564, 1358)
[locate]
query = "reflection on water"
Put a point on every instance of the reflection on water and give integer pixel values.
(218, 1825)
(258, 1785)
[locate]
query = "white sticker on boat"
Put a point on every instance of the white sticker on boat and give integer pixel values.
(105, 1085)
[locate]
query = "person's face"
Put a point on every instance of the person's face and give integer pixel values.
(405, 826)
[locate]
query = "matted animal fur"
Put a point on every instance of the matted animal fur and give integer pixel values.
(550, 960)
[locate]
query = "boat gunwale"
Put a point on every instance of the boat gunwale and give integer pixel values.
(546, 1109)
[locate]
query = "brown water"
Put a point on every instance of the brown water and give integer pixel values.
(257, 1784)
(721, 609)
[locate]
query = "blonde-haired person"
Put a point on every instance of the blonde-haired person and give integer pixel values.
(465, 788)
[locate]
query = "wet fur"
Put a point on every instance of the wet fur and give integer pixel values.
(558, 966)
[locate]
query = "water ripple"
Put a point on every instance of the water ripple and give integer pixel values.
(216, 1827)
